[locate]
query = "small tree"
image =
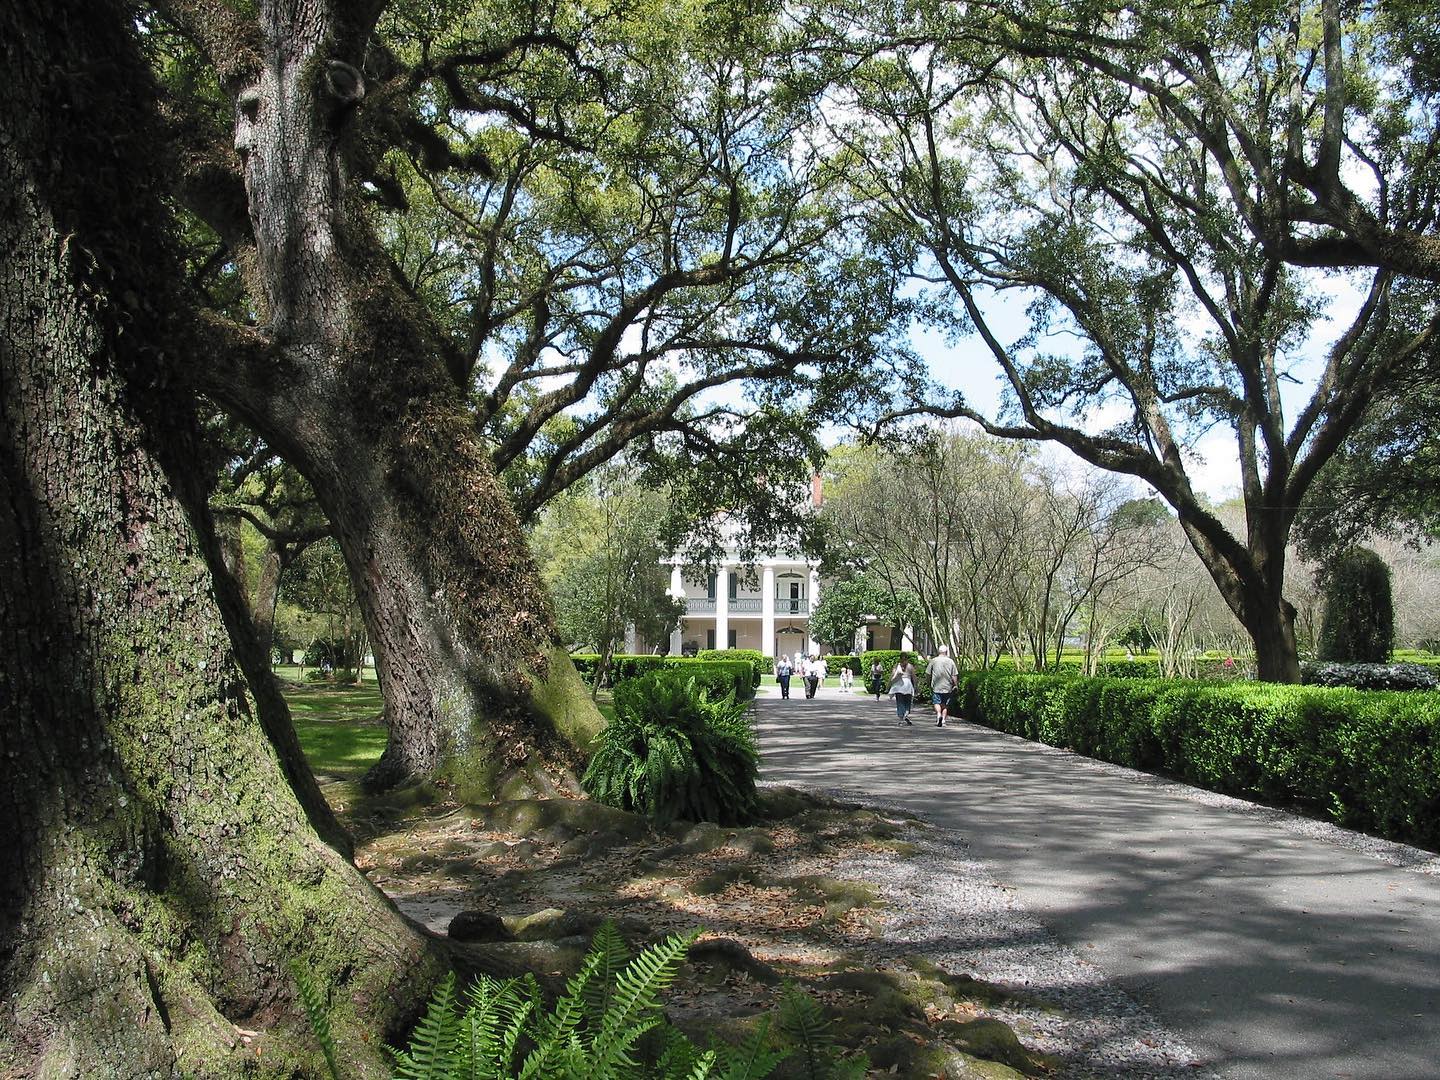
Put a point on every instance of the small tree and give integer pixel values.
(319, 585)
(844, 607)
(1359, 622)
(600, 548)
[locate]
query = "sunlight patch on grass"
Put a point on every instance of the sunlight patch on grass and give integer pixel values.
(338, 726)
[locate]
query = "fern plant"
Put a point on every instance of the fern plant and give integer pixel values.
(593, 1032)
(816, 1056)
(319, 1016)
(674, 752)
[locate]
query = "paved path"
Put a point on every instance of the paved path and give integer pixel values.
(1272, 950)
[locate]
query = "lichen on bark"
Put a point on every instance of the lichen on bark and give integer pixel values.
(159, 877)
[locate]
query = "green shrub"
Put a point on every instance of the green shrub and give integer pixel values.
(764, 665)
(676, 750)
(836, 661)
(1144, 668)
(1359, 621)
(622, 666)
(741, 673)
(1366, 759)
(608, 1025)
(718, 677)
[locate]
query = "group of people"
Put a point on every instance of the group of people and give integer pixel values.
(944, 675)
(942, 671)
(811, 669)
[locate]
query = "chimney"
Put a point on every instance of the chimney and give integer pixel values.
(817, 494)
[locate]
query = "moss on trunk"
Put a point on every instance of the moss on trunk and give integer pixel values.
(159, 878)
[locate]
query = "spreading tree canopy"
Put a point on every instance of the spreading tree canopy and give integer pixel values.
(1147, 179)
(449, 241)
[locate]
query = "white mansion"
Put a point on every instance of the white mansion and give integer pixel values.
(763, 604)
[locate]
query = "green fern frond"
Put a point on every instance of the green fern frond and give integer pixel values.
(319, 1015)
(679, 1057)
(495, 1020)
(754, 1058)
(637, 990)
(703, 1069)
(435, 1040)
(804, 1022)
(612, 955)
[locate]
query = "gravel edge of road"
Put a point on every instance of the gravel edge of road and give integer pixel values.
(955, 914)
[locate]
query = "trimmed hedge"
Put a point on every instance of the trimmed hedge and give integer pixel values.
(1366, 759)
(623, 667)
(764, 665)
(1144, 667)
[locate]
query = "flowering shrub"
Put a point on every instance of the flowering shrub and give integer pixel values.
(1370, 676)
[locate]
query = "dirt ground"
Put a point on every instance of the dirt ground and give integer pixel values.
(524, 885)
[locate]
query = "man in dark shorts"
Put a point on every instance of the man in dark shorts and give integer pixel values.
(943, 677)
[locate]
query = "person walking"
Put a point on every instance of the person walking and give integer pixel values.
(783, 672)
(810, 680)
(877, 678)
(902, 685)
(819, 670)
(943, 677)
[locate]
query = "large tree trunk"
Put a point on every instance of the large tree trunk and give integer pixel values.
(253, 657)
(1251, 579)
(458, 619)
(158, 878)
(267, 597)
(358, 397)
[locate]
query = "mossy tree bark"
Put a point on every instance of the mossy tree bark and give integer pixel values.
(158, 877)
(348, 379)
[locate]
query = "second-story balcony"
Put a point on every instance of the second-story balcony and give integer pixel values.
(746, 605)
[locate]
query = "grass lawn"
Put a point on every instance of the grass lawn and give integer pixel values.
(338, 726)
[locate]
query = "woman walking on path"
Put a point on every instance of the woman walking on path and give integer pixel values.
(902, 685)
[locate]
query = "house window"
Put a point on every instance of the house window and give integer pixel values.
(789, 592)
(710, 588)
(731, 643)
(710, 634)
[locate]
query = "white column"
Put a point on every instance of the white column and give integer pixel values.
(630, 642)
(812, 593)
(677, 590)
(722, 607)
(907, 637)
(767, 610)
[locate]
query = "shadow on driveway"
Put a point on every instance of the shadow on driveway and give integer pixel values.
(1275, 953)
